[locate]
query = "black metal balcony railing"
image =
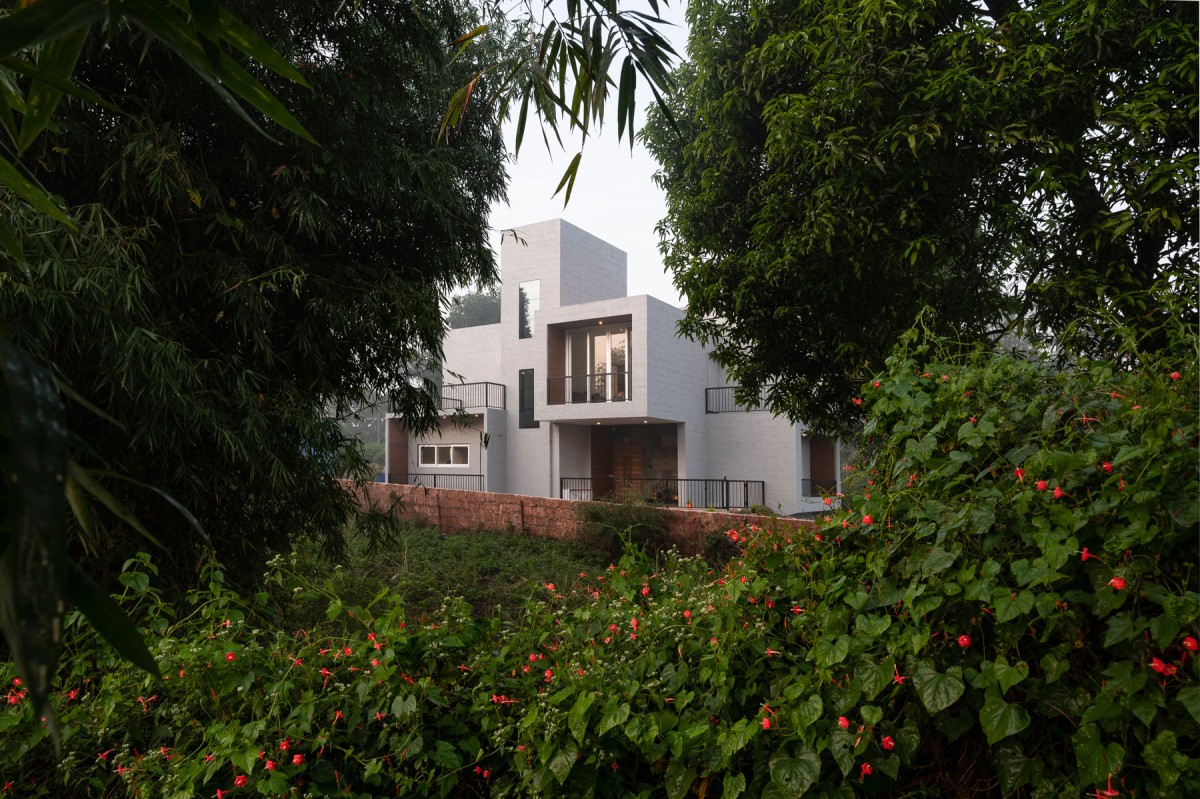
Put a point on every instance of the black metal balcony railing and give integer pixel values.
(719, 492)
(463, 396)
(721, 400)
(454, 480)
(818, 488)
(596, 387)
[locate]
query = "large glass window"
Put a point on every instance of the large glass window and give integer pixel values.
(525, 392)
(598, 364)
(445, 455)
(531, 302)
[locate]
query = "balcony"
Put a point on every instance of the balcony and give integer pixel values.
(718, 492)
(589, 388)
(721, 400)
(469, 396)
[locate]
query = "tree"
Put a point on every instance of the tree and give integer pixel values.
(479, 307)
(221, 292)
(841, 166)
(215, 295)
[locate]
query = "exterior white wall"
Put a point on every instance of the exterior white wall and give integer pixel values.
(592, 269)
(495, 454)
(451, 433)
(573, 452)
(754, 445)
(470, 352)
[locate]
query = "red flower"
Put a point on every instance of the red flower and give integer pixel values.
(270, 765)
(297, 760)
(888, 742)
(645, 590)
(239, 780)
(633, 623)
(766, 724)
(867, 520)
(1118, 583)
(964, 641)
(284, 745)
(1059, 493)
(230, 657)
(549, 675)
(843, 722)
(875, 384)
(1190, 644)
(1106, 467)
(1041, 485)
(1163, 668)
(1085, 554)
(1019, 473)
(866, 769)
(1175, 375)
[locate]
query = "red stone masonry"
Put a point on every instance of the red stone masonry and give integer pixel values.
(474, 511)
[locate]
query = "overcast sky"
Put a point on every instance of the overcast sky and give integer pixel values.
(614, 196)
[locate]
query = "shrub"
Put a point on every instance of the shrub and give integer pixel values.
(611, 526)
(1009, 607)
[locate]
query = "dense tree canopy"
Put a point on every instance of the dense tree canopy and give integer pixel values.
(841, 165)
(478, 307)
(223, 292)
(208, 297)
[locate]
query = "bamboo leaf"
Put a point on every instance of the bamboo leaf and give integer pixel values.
(8, 240)
(466, 37)
(45, 21)
(118, 509)
(34, 559)
(58, 60)
(28, 190)
(234, 31)
(625, 99)
(75, 396)
(109, 620)
(64, 84)
(206, 16)
(521, 124)
(179, 37)
(568, 178)
(192, 521)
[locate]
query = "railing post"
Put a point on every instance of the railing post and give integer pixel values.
(725, 479)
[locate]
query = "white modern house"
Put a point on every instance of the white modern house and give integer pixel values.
(582, 392)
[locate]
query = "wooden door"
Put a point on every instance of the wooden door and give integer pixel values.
(627, 470)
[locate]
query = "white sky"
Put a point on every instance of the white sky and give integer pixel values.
(614, 196)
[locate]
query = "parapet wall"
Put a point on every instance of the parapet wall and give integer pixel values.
(471, 511)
